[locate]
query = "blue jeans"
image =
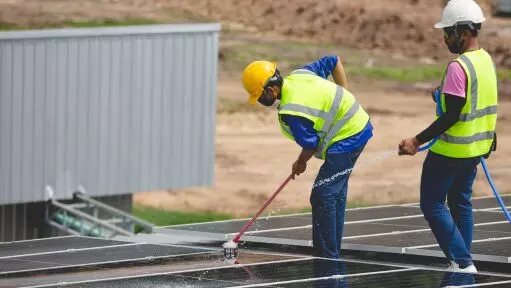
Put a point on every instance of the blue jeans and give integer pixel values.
(444, 177)
(328, 201)
(457, 279)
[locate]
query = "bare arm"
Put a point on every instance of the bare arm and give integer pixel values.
(339, 74)
(306, 155)
(300, 164)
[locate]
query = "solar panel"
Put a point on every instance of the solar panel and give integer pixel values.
(270, 223)
(252, 274)
(427, 237)
(226, 227)
(86, 273)
(479, 217)
(350, 230)
(132, 251)
(490, 202)
(300, 273)
(171, 281)
(381, 213)
(54, 244)
(494, 247)
(94, 262)
(411, 279)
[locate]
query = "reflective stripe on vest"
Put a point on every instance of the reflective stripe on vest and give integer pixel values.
(474, 113)
(329, 116)
(345, 118)
(467, 140)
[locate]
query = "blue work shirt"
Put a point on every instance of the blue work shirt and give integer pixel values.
(303, 129)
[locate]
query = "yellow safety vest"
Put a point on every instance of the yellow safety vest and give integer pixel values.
(334, 110)
(473, 134)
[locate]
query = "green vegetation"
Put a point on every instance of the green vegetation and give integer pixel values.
(417, 74)
(161, 217)
(7, 26)
(106, 23)
(426, 73)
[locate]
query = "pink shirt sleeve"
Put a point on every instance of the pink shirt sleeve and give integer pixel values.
(455, 80)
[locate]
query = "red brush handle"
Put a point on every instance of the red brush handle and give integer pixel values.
(237, 238)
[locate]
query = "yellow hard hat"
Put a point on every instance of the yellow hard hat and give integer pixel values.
(256, 76)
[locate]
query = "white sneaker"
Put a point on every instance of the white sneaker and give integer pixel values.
(454, 267)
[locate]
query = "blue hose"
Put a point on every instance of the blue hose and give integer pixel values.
(483, 162)
(495, 192)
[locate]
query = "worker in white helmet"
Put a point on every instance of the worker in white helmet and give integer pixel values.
(465, 131)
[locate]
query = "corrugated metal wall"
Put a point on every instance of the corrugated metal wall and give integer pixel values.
(115, 110)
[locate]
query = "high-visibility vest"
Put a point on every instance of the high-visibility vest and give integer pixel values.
(473, 134)
(334, 110)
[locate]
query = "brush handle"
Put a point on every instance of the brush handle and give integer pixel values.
(237, 238)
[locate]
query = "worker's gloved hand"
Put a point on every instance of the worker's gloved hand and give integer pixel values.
(434, 93)
(298, 168)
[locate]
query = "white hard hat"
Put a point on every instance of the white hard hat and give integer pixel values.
(458, 11)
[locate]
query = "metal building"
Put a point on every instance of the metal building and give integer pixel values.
(106, 111)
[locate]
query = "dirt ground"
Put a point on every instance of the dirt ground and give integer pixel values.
(252, 157)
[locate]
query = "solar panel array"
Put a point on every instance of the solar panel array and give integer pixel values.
(391, 229)
(133, 262)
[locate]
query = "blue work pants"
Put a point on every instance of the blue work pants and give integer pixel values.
(328, 201)
(451, 178)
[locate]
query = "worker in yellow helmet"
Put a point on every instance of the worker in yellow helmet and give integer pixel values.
(465, 131)
(326, 120)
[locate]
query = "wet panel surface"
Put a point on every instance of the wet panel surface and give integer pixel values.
(79, 274)
(111, 254)
(410, 279)
(167, 281)
(256, 274)
(289, 271)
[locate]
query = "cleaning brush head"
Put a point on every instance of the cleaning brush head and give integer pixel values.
(230, 250)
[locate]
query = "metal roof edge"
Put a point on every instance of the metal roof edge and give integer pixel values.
(111, 31)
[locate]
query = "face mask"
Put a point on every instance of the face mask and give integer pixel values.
(266, 99)
(458, 44)
(455, 48)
